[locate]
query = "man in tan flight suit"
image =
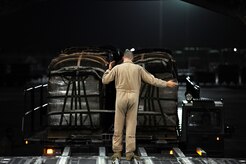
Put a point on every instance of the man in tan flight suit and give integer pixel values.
(128, 77)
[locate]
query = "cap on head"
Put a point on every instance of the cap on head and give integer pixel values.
(128, 54)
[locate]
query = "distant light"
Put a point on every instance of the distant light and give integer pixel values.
(213, 51)
(235, 49)
(26, 142)
(132, 49)
(171, 152)
(217, 138)
(178, 52)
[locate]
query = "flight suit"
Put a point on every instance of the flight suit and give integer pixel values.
(128, 77)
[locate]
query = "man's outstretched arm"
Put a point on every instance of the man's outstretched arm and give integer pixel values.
(150, 79)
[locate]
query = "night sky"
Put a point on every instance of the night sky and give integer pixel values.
(58, 24)
(52, 25)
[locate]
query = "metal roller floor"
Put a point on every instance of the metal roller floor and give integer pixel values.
(102, 158)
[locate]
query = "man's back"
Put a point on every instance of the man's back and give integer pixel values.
(128, 77)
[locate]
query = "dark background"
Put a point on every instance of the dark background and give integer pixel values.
(32, 32)
(53, 25)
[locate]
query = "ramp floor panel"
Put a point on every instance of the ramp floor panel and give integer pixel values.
(102, 157)
(79, 160)
(107, 160)
(166, 161)
(51, 160)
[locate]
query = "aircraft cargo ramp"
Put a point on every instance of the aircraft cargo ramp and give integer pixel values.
(103, 158)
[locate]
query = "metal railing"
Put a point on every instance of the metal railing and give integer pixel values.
(35, 102)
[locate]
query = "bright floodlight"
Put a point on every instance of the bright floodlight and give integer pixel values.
(235, 49)
(132, 49)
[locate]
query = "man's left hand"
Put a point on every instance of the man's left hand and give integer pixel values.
(171, 83)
